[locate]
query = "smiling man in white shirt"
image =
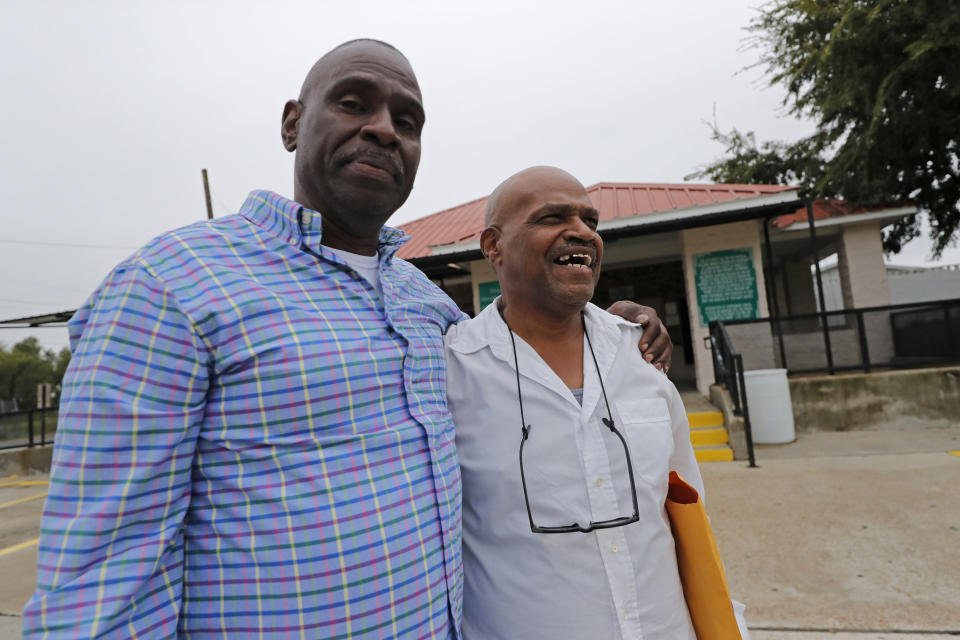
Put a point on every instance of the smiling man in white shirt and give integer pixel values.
(566, 537)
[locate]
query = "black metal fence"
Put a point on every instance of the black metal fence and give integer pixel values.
(30, 428)
(901, 336)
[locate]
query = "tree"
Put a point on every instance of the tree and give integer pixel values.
(881, 80)
(25, 366)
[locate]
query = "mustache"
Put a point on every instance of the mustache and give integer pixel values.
(381, 159)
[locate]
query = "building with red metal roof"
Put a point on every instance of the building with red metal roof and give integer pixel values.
(695, 252)
(616, 201)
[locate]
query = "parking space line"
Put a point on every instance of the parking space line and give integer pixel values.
(17, 547)
(21, 500)
(16, 475)
(24, 483)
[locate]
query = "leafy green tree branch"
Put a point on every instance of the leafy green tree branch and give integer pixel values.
(881, 81)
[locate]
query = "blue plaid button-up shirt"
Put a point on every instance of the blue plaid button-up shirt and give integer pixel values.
(251, 443)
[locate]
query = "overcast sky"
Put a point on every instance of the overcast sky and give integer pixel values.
(111, 109)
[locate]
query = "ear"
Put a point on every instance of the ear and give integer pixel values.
(490, 244)
(288, 126)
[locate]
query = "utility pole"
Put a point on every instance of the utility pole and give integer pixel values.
(206, 193)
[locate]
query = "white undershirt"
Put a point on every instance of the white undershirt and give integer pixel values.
(366, 266)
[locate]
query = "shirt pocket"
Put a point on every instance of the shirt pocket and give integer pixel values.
(646, 427)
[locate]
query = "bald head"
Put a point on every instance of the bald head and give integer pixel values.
(541, 240)
(320, 70)
(514, 193)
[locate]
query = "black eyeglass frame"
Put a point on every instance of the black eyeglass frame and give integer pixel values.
(608, 422)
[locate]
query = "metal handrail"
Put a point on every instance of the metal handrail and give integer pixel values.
(728, 371)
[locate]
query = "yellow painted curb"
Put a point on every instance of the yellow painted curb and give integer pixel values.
(21, 500)
(708, 436)
(17, 547)
(705, 419)
(724, 454)
(954, 453)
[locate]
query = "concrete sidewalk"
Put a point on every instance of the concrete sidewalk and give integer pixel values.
(847, 536)
(855, 532)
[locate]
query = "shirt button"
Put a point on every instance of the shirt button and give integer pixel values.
(599, 482)
(614, 548)
(306, 216)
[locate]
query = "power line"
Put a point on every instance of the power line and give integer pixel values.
(15, 301)
(30, 279)
(68, 244)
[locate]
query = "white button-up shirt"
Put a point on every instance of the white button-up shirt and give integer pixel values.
(610, 583)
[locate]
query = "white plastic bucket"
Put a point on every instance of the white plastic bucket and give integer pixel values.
(768, 400)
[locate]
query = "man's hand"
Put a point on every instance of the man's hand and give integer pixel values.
(655, 345)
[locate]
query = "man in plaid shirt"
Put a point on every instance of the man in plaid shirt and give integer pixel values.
(254, 438)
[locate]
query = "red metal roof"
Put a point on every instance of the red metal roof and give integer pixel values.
(823, 209)
(612, 199)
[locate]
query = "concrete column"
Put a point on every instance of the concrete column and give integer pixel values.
(863, 280)
(863, 276)
(736, 235)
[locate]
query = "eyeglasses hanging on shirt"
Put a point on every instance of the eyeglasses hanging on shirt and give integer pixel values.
(608, 422)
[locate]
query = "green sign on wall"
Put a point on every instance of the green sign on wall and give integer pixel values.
(726, 285)
(487, 292)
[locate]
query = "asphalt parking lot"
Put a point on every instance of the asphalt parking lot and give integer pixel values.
(21, 504)
(848, 536)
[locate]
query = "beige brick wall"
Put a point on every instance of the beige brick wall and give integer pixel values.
(863, 276)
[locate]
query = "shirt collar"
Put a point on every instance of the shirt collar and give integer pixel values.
(489, 329)
(298, 225)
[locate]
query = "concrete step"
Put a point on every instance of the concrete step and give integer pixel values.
(705, 436)
(699, 419)
(709, 436)
(715, 453)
